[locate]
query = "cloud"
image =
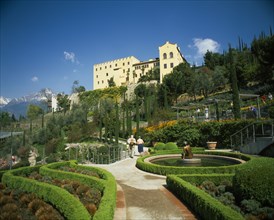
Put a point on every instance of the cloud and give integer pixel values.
(70, 56)
(34, 79)
(204, 45)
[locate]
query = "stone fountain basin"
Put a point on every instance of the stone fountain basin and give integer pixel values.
(193, 160)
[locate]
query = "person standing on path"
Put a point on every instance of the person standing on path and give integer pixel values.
(131, 143)
(140, 144)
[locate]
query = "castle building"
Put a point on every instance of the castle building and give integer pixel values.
(128, 70)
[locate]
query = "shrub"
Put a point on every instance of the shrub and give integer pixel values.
(191, 135)
(271, 112)
(159, 146)
(170, 146)
(250, 206)
(255, 181)
(202, 203)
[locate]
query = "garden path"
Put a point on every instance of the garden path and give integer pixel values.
(143, 196)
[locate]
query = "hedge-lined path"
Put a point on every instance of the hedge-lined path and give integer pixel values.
(142, 195)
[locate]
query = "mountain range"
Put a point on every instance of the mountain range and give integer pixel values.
(19, 106)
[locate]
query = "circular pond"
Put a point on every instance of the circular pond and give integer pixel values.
(205, 160)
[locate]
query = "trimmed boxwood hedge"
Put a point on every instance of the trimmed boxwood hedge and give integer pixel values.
(201, 202)
(64, 201)
(165, 170)
(255, 181)
(107, 185)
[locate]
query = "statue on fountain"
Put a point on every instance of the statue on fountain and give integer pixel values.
(187, 153)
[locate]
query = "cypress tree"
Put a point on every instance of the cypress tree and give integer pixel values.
(24, 138)
(43, 120)
(123, 117)
(137, 115)
(117, 125)
(165, 98)
(100, 125)
(234, 87)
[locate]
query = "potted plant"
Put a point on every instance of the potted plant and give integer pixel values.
(211, 145)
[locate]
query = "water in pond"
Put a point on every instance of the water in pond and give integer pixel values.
(205, 162)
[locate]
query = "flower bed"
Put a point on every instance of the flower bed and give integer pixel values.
(66, 203)
(16, 204)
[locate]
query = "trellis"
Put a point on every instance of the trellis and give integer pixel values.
(94, 153)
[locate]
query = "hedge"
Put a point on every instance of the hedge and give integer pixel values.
(165, 170)
(52, 171)
(201, 202)
(255, 181)
(107, 185)
(66, 203)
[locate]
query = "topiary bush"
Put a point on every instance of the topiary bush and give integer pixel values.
(159, 146)
(170, 146)
(255, 180)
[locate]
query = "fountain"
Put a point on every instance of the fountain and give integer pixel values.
(187, 156)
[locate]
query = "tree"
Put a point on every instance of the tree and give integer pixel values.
(219, 77)
(63, 102)
(234, 87)
(178, 81)
(213, 59)
(76, 88)
(263, 50)
(111, 82)
(34, 111)
(5, 119)
(117, 123)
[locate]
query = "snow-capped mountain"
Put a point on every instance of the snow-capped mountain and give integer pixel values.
(18, 106)
(4, 101)
(42, 95)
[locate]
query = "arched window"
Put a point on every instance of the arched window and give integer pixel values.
(164, 55)
(170, 55)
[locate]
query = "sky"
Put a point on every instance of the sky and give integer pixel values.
(50, 44)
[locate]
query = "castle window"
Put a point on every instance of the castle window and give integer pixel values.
(127, 63)
(96, 76)
(170, 55)
(102, 81)
(171, 65)
(100, 68)
(105, 67)
(123, 64)
(106, 74)
(164, 56)
(165, 66)
(109, 66)
(96, 69)
(98, 82)
(115, 64)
